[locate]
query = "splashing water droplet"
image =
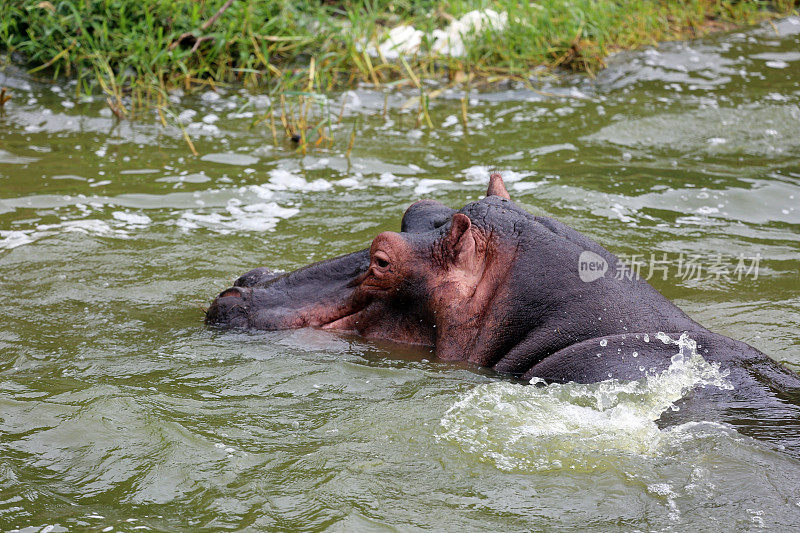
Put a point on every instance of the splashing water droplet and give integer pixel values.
(571, 424)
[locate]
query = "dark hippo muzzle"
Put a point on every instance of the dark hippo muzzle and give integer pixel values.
(313, 296)
(231, 309)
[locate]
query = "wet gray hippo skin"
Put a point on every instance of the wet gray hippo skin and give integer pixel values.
(499, 287)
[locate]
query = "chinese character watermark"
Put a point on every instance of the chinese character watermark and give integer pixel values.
(685, 267)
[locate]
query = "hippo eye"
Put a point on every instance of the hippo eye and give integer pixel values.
(381, 259)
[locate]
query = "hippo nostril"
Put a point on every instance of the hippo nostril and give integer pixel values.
(229, 309)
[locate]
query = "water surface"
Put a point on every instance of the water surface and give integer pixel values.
(120, 410)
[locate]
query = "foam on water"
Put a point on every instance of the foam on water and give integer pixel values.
(281, 179)
(90, 226)
(12, 239)
(578, 426)
(132, 218)
(261, 216)
(12, 159)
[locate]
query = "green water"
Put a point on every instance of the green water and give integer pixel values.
(120, 410)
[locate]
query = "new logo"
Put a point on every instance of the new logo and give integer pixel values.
(591, 266)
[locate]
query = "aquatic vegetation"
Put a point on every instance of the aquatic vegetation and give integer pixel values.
(5, 96)
(135, 53)
(142, 48)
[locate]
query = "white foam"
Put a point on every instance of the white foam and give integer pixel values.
(387, 179)
(201, 128)
(527, 185)
(12, 239)
(253, 217)
(480, 174)
(132, 218)
(428, 185)
(259, 190)
(186, 116)
(210, 96)
(260, 101)
(281, 180)
(259, 217)
(9, 158)
(554, 426)
(351, 100)
(243, 114)
(350, 183)
(195, 177)
(450, 120)
(89, 226)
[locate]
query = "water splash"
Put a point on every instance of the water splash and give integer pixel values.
(579, 426)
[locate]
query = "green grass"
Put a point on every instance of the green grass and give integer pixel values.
(122, 47)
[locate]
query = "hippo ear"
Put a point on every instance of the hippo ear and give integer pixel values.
(496, 186)
(459, 241)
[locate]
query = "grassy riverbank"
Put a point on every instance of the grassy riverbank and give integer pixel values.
(136, 51)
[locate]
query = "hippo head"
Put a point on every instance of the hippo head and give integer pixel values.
(490, 283)
(342, 293)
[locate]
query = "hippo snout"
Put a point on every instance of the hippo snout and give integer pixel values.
(231, 309)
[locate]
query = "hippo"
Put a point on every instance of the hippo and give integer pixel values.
(527, 296)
